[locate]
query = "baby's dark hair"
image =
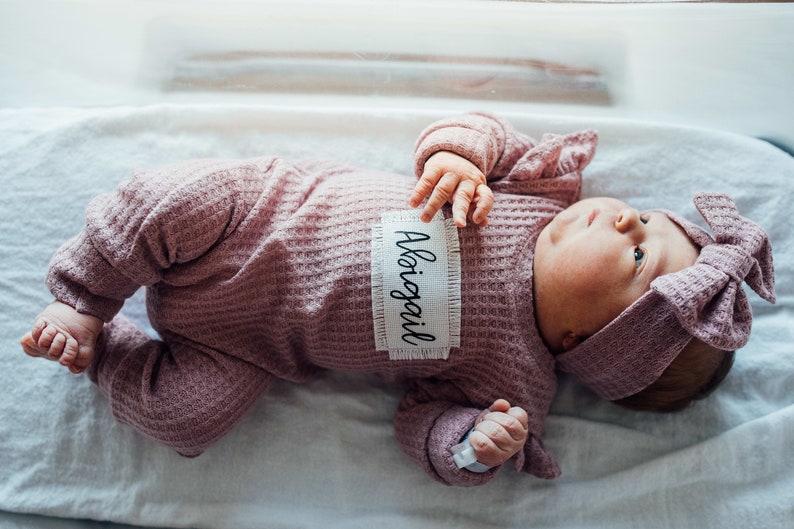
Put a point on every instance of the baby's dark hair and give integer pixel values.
(693, 375)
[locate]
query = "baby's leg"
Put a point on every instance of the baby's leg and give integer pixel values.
(177, 393)
(64, 335)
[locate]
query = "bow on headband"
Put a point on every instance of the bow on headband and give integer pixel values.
(705, 300)
(707, 297)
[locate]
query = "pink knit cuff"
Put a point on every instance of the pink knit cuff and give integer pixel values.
(69, 275)
(448, 430)
(481, 144)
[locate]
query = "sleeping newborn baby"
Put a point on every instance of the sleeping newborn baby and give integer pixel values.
(263, 268)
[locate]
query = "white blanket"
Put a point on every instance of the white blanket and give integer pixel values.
(323, 454)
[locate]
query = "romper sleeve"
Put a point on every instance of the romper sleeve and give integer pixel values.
(512, 161)
(435, 415)
(430, 420)
(153, 221)
(489, 142)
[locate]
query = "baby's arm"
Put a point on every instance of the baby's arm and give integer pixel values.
(431, 419)
(455, 157)
(448, 177)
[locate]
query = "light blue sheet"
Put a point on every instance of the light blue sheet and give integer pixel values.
(323, 454)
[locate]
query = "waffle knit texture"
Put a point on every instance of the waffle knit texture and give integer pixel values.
(260, 268)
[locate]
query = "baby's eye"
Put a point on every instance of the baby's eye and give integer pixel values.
(639, 256)
(644, 220)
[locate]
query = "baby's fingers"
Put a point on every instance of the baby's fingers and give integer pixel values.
(424, 187)
(492, 443)
(504, 429)
(488, 453)
(443, 192)
(483, 204)
(461, 201)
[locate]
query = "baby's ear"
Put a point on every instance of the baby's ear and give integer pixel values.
(571, 340)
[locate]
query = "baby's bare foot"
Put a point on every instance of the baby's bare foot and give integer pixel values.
(64, 335)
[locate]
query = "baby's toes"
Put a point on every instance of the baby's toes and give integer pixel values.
(56, 342)
(52, 342)
(31, 347)
(77, 369)
(70, 351)
(44, 334)
(84, 356)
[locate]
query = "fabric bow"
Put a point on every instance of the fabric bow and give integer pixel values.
(708, 297)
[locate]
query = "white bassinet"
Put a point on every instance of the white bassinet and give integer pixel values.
(90, 90)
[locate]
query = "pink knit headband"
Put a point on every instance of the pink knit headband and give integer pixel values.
(705, 300)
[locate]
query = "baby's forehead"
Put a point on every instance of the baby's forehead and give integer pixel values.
(697, 235)
(678, 250)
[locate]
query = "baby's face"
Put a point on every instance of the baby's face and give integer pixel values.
(595, 259)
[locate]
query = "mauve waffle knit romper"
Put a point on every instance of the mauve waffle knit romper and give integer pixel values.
(260, 268)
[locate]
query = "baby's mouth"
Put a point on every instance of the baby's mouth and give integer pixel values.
(592, 217)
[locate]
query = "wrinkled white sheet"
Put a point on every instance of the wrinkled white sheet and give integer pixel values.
(322, 454)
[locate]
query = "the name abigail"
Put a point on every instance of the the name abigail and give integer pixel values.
(408, 261)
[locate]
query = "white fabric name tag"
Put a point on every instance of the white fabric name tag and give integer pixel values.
(416, 301)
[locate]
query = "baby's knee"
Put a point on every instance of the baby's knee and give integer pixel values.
(188, 435)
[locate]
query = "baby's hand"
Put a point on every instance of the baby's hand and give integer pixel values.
(499, 433)
(448, 177)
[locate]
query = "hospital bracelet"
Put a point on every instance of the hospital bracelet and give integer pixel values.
(464, 457)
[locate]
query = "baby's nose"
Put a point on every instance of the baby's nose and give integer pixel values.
(627, 220)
